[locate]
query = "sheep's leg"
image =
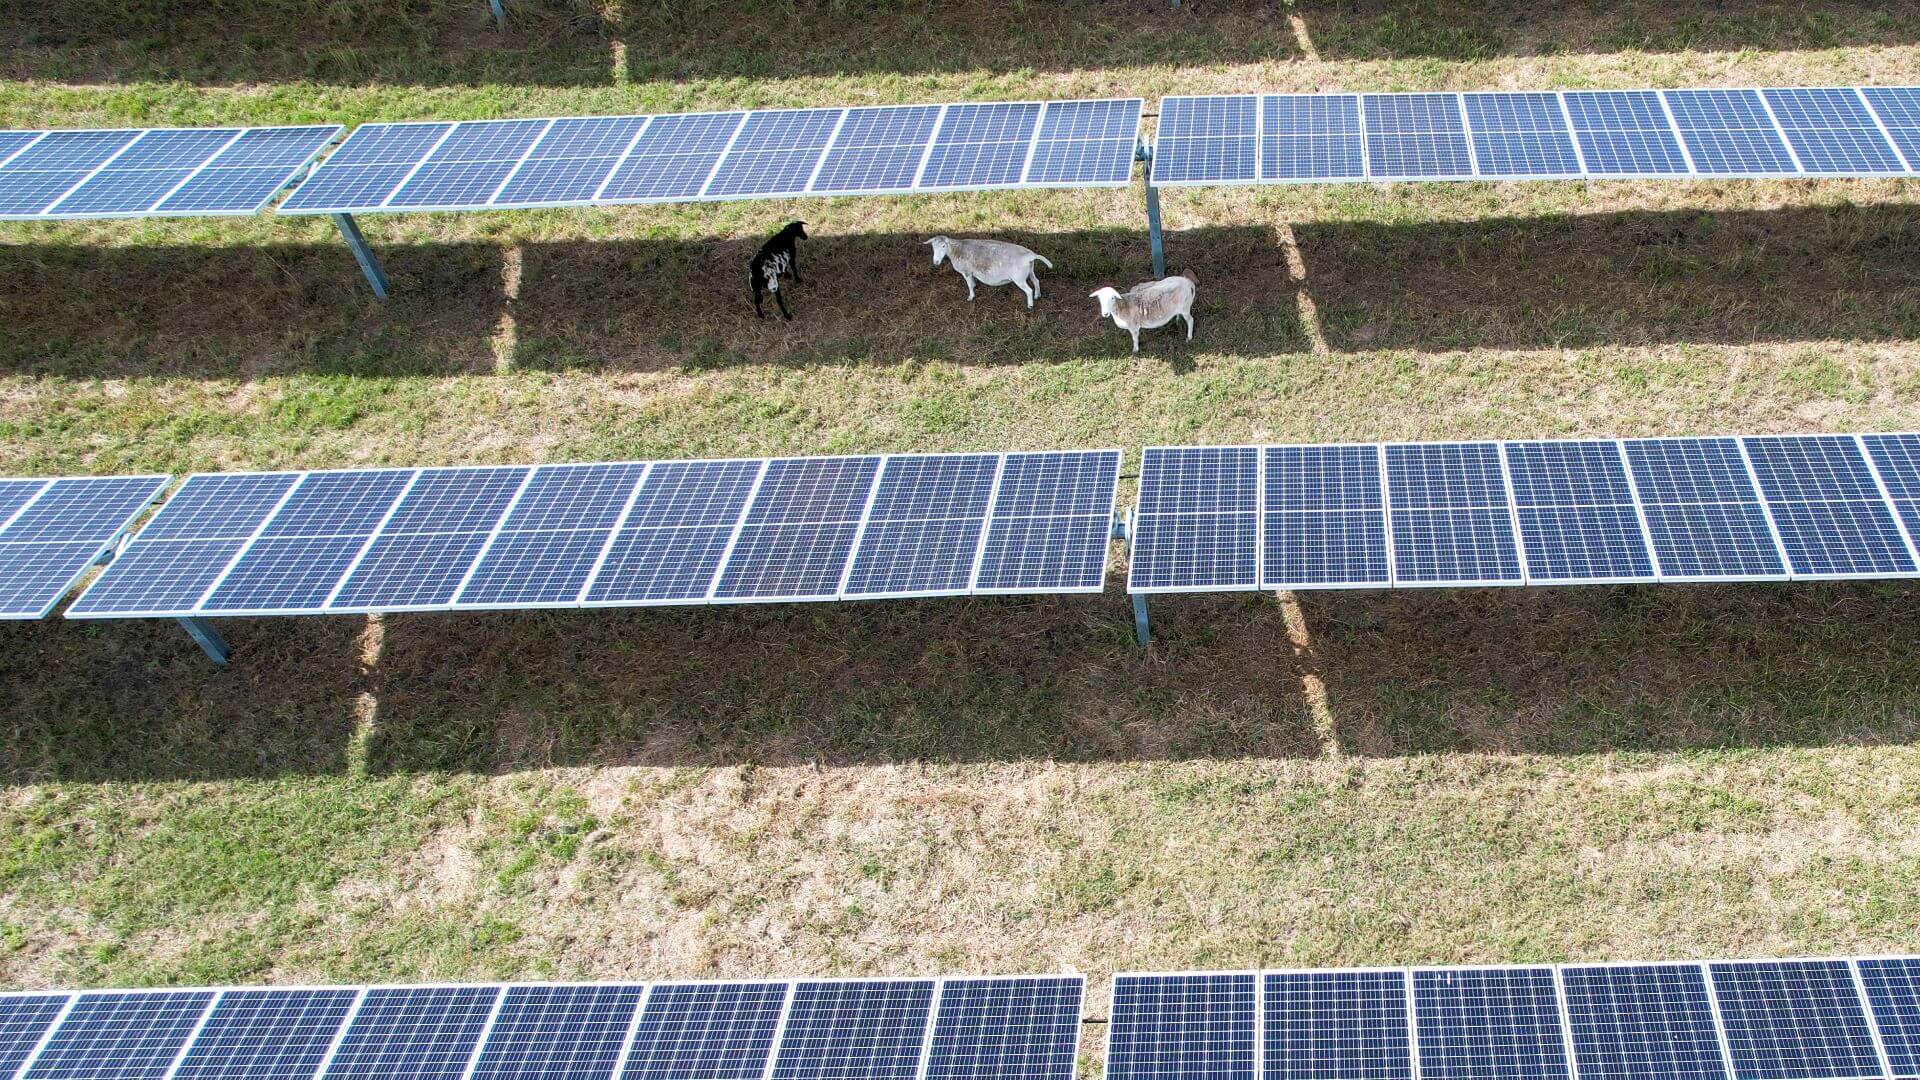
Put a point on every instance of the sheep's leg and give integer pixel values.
(782, 301)
(1024, 291)
(1136, 338)
(969, 278)
(753, 283)
(1189, 319)
(793, 263)
(1034, 276)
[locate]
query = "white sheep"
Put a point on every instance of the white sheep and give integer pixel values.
(1155, 303)
(992, 262)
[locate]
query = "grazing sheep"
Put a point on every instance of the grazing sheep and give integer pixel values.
(777, 258)
(992, 262)
(1144, 307)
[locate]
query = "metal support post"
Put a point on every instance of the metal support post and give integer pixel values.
(208, 639)
(1142, 632)
(370, 266)
(1144, 152)
(500, 12)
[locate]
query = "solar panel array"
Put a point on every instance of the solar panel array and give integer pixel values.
(617, 534)
(1536, 512)
(998, 1028)
(1837, 1019)
(52, 530)
(601, 160)
(1324, 138)
(151, 172)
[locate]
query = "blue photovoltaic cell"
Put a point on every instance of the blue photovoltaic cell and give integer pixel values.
(1897, 457)
(419, 557)
(219, 506)
(775, 153)
(1893, 992)
(673, 158)
(120, 1036)
(266, 1035)
(1828, 509)
(1196, 522)
(1310, 137)
(712, 1031)
(366, 169)
(416, 1033)
(1521, 135)
(1416, 135)
(1006, 1029)
(469, 166)
(1324, 524)
(253, 169)
(924, 529)
(12, 142)
(1703, 514)
(558, 1033)
(1794, 1020)
(1183, 1027)
(554, 536)
(1336, 1025)
(980, 146)
(682, 520)
(81, 508)
(1213, 140)
(40, 174)
(1898, 108)
(24, 1018)
(1488, 1024)
(1086, 143)
(1832, 132)
(571, 161)
(799, 529)
(1625, 133)
(309, 543)
(1052, 523)
(1577, 518)
(1450, 516)
(877, 149)
(145, 172)
(854, 1031)
(1638, 1022)
(1729, 133)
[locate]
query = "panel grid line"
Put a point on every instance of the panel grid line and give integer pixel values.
(926, 153)
(600, 563)
(1566, 1018)
(500, 997)
(19, 512)
(1780, 129)
(1766, 509)
(46, 1037)
(1885, 132)
(1639, 510)
(1393, 575)
(599, 191)
(24, 147)
(1466, 129)
(1033, 143)
(420, 164)
(1873, 1022)
(1679, 137)
(85, 180)
(986, 522)
(833, 137)
(1719, 1022)
(933, 1016)
(733, 544)
(1259, 581)
(525, 156)
(866, 515)
(200, 1025)
(380, 527)
(1406, 974)
(792, 990)
(1899, 519)
(247, 546)
(197, 170)
(1513, 514)
(493, 537)
(1573, 135)
(725, 153)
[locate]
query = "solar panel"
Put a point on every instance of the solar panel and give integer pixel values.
(1416, 137)
(922, 536)
(1006, 1029)
(299, 555)
(25, 1018)
(1336, 1025)
(672, 159)
(1085, 144)
(422, 554)
(555, 535)
(1828, 508)
(1488, 1024)
(1452, 523)
(1640, 1021)
(799, 530)
(1892, 986)
(363, 173)
(1198, 1026)
(1729, 133)
(854, 1030)
(571, 161)
(1625, 133)
(1310, 137)
(52, 530)
(877, 150)
(775, 153)
(1898, 110)
(1051, 523)
(1521, 135)
(676, 533)
(1196, 526)
(558, 1033)
(467, 167)
(709, 1031)
(1831, 132)
(1578, 522)
(1703, 513)
(133, 1035)
(981, 146)
(1793, 1020)
(413, 1033)
(1208, 140)
(156, 172)
(266, 1035)
(1324, 522)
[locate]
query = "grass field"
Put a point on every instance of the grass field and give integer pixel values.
(969, 785)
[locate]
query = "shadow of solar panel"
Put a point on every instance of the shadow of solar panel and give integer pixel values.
(1006, 1029)
(558, 1033)
(1488, 1024)
(1200, 1026)
(1641, 1022)
(1336, 1025)
(266, 1035)
(120, 1036)
(712, 1031)
(1794, 1020)
(856, 1030)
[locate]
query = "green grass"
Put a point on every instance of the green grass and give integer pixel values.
(994, 785)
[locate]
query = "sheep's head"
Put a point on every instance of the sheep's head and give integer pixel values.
(1106, 295)
(941, 245)
(796, 229)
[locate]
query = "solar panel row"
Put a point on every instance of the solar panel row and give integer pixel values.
(601, 160)
(1512, 513)
(153, 171)
(1832, 1019)
(617, 534)
(51, 531)
(1285, 138)
(997, 1028)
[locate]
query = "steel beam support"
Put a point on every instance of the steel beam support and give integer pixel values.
(362, 254)
(209, 639)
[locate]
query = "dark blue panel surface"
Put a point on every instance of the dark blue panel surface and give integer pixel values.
(415, 1033)
(266, 1035)
(1336, 1025)
(706, 1031)
(1183, 1027)
(1893, 991)
(1196, 525)
(1006, 1029)
(120, 1036)
(1832, 132)
(1642, 1022)
(854, 1031)
(1521, 135)
(1703, 512)
(558, 1033)
(1831, 517)
(1416, 135)
(1625, 133)
(1728, 133)
(24, 1018)
(1794, 1020)
(1488, 1024)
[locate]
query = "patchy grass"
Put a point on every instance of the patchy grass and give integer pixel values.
(993, 785)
